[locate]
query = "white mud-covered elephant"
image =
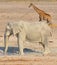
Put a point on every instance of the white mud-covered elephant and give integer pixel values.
(32, 31)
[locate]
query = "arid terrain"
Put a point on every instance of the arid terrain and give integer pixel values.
(15, 11)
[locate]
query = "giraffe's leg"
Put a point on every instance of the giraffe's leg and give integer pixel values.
(40, 18)
(47, 21)
(43, 18)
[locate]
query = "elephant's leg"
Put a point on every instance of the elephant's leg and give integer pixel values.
(17, 35)
(46, 48)
(21, 41)
(45, 43)
(42, 45)
(19, 45)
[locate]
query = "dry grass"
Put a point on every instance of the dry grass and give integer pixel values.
(27, 0)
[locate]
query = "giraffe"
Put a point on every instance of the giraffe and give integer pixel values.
(42, 15)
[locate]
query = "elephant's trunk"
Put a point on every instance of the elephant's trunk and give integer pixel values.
(5, 40)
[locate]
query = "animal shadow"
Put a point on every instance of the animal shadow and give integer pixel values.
(14, 50)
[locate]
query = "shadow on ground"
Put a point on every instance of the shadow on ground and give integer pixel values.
(14, 50)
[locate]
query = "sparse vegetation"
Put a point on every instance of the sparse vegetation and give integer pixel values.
(15, 11)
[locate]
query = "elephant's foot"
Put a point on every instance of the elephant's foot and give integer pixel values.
(47, 51)
(21, 53)
(5, 53)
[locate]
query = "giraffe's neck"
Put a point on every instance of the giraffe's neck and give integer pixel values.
(36, 9)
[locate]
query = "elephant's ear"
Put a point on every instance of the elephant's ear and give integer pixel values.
(15, 28)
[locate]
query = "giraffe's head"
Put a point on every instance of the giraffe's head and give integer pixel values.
(30, 5)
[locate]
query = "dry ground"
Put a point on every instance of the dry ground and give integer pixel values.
(15, 11)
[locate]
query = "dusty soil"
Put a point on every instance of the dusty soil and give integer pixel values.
(15, 11)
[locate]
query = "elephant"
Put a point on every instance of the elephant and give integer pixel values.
(25, 30)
